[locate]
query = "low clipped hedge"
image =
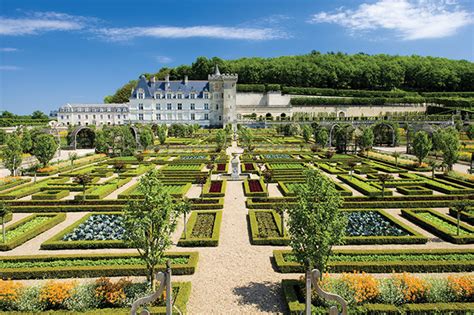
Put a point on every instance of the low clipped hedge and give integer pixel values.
(92, 271)
(467, 216)
(363, 186)
(414, 190)
(24, 190)
(189, 241)
(101, 191)
(56, 218)
(14, 183)
(439, 230)
(56, 241)
(418, 266)
(50, 195)
(296, 305)
(209, 194)
(256, 239)
(249, 193)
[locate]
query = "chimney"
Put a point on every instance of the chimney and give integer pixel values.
(167, 78)
(152, 79)
(185, 80)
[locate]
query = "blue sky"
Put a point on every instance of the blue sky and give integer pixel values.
(54, 52)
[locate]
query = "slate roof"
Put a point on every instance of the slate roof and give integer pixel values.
(150, 88)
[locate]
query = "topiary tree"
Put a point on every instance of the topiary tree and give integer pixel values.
(150, 222)
(352, 166)
(383, 177)
(44, 148)
(83, 180)
(316, 222)
(396, 155)
(421, 146)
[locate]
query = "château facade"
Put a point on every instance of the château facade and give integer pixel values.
(214, 102)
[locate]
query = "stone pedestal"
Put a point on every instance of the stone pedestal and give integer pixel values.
(235, 164)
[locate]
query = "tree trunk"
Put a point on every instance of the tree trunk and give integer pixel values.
(151, 270)
(458, 217)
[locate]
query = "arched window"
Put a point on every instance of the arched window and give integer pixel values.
(341, 114)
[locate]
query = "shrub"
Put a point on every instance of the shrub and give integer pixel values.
(413, 289)
(55, 293)
(111, 294)
(358, 288)
(462, 287)
(83, 298)
(9, 293)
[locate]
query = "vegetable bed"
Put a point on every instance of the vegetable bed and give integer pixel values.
(254, 188)
(202, 229)
(265, 227)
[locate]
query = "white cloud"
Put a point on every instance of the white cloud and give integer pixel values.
(164, 59)
(8, 49)
(409, 19)
(219, 32)
(38, 22)
(10, 68)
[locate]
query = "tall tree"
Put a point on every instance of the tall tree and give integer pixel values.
(162, 133)
(306, 132)
(37, 114)
(146, 137)
(12, 153)
(221, 139)
(450, 146)
(150, 222)
(421, 145)
(366, 140)
(321, 137)
(26, 141)
(44, 148)
(316, 222)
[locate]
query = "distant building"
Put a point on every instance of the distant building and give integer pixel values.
(211, 103)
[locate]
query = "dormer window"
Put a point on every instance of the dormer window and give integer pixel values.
(192, 95)
(206, 95)
(140, 94)
(180, 95)
(169, 95)
(157, 95)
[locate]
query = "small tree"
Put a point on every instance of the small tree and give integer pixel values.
(72, 157)
(162, 133)
(352, 165)
(383, 178)
(396, 155)
(146, 137)
(118, 166)
(26, 141)
(459, 206)
(3, 213)
(221, 139)
(12, 153)
(434, 165)
(267, 175)
(201, 180)
(321, 137)
(421, 146)
(366, 140)
(185, 209)
(316, 222)
(150, 222)
(329, 154)
(44, 148)
(35, 169)
(83, 180)
(450, 146)
(306, 132)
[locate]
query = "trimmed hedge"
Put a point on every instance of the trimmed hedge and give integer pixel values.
(25, 190)
(467, 216)
(414, 190)
(13, 183)
(296, 305)
(101, 191)
(56, 218)
(189, 241)
(256, 239)
(363, 186)
(56, 241)
(418, 266)
(356, 101)
(207, 187)
(249, 193)
(344, 93)
(92, 271)
(439, 230)
(50, 195)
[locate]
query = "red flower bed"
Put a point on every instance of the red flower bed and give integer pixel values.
(249, 167)
(255, 186)
(216, 187)
(220, 167)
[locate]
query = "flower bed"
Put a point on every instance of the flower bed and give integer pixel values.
(441, 225)
(215, 188)
(102, 296)
(202, 229)
(222, 168)
(90, 265)
(95, 230)
(255, 188)
(29, 227)
(386, 261)
(398, 294)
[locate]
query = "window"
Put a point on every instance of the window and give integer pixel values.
(192, 95)
(118, 116)
(140, 106)
(158, 106)
(206, 116)
(67, 116)
(108, 116)
(157, 95)
(220, 118)
(140, 94)
(87, 116)
(62, 117)
(168, 106)
(180, 106)
(206, 95)
(140, 116)
(158, 116)
(193, 106)
(78, 116)
(193, 116)
(180, 96)
(93, 117)
(206, 106)
(217, 106)
(180, 116)
(124, 116)
(169, 116)
(101, 116)
(169, 95)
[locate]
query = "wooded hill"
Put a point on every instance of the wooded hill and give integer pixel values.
(331, 71)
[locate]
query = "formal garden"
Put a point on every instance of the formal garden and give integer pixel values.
(392, 233)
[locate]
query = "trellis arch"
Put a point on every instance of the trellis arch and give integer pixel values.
(75, 132)
(392, 129)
